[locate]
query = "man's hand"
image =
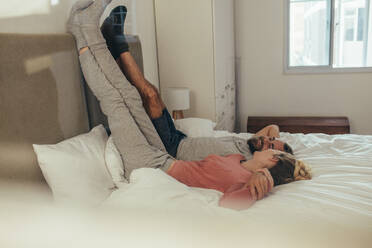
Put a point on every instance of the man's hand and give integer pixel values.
(269, 131)
(260, 184)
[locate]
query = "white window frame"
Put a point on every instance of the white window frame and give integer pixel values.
(316, 69)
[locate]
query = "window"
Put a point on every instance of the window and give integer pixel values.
(329, 35)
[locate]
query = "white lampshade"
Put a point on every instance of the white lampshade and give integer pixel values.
(177, 98)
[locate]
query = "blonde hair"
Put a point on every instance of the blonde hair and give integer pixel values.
(302, 171)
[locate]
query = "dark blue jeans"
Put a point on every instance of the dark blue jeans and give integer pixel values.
(168, 133)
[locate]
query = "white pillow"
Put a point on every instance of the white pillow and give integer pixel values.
(195, 127)
(75, 168)
(114, 163)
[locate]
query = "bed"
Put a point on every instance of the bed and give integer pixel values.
(334, 209)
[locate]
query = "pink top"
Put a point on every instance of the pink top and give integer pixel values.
(222, 173)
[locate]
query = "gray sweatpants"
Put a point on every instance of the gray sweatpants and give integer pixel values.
(199, 148)
(132, 130)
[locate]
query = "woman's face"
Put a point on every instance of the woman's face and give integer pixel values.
(267, 157)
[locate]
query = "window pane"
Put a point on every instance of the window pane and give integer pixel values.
(349, 29)
(309, 32)
(361, 21)
(351, 33)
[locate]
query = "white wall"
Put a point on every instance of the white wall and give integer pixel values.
(49, 16)
(263, 88)
(185, 61)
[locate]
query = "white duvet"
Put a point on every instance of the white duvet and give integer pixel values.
(334, 209)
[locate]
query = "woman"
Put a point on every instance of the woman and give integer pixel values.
(242, 182)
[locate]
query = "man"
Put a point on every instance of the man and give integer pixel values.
(176, 143)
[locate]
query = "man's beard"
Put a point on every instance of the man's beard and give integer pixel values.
(255, 143)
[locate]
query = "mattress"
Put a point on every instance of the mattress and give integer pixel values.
(334, 209)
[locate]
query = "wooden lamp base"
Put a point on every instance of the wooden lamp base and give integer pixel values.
(177, 114)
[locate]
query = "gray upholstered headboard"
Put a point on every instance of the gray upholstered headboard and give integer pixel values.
(43, 99)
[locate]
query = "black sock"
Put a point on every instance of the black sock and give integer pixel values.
(113, 31)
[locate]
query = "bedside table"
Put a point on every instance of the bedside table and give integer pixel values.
(327, 125)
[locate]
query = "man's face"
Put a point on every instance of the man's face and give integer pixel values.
(261, 143)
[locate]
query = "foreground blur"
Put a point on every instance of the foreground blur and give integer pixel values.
(29, 219)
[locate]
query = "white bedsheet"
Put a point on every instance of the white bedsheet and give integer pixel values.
(333, 209)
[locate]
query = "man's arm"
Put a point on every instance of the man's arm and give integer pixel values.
(269, 131)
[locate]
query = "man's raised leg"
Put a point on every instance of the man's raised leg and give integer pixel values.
(113, 31)
(152, 101)
(163, 123)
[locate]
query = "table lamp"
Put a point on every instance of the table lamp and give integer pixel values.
(177, 100)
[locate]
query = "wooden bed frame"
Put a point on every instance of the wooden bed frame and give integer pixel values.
(327, 125)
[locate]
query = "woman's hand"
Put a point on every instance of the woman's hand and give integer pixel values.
(259, 184)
